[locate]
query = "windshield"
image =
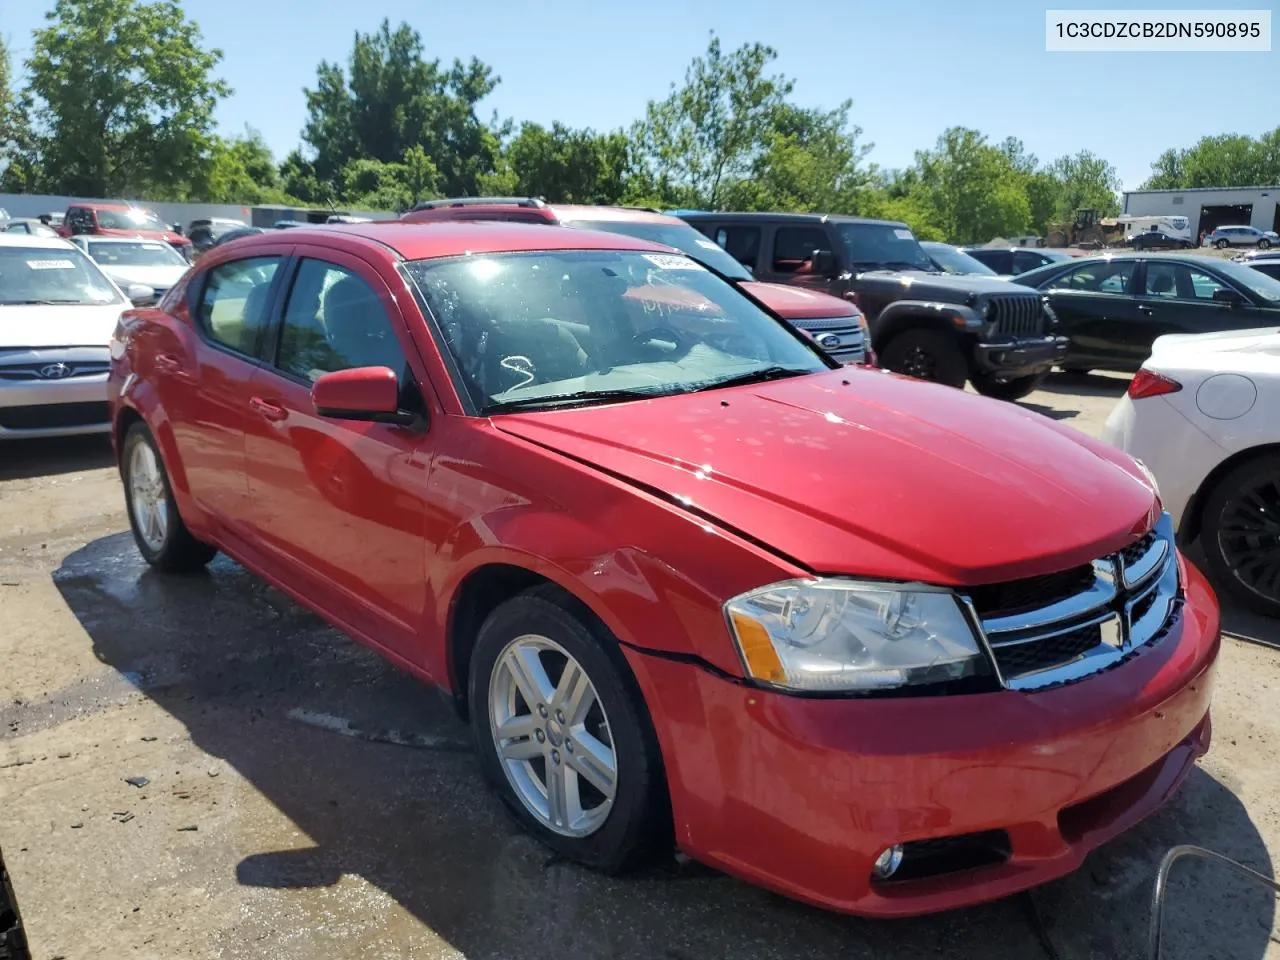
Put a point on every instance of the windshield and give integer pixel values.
(130, 220)
(51, 275)
(952, 260)
(530, 330)
(678, 235)
(885, 246)
(140, 254)
(1268, 288)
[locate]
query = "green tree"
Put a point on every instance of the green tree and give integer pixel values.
(389, 99)
(239, 170)
(972, 187)
(708, 134)
(1085, 181)
(568, 166)
(1230, 160)
(120, 96)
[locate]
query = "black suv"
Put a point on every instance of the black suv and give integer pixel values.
(925, 324)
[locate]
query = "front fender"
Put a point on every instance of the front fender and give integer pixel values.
(901, 314)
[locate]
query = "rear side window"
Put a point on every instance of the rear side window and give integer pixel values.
(234, 302)
(743, 243)
(1024, 260)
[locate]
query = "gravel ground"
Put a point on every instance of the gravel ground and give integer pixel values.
(266, 828)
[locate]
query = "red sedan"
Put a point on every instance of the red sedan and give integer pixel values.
(867, 641)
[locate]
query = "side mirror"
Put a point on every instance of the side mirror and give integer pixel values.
(823, 263)
(362, 393)
(140, 295)
(1228, 297)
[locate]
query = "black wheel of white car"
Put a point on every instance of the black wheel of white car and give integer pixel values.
(926, 355)
(1264, 244)
(1241, 527)
(1222, 244)
(1015, 388)
(563, 736)
(162, 538)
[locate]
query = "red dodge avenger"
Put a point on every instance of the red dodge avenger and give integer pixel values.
(869, 642)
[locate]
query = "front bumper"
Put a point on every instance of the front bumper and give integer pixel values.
(31, 409)
(801, 794)
(1020, 358)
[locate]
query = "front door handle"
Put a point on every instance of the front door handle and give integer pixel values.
(1148, 311)
(268, 410)
(167, 362)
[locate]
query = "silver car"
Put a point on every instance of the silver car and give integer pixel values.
(1224, 237)
(57, 314)
(135, 260)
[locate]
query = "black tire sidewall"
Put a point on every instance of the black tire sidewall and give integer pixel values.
(635, 820)
(1225, 492)
(948, 360)
(1014, 389)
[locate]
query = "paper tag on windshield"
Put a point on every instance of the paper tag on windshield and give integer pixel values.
(50, 265)
(669, 261)
(903, 234)
(708, 244)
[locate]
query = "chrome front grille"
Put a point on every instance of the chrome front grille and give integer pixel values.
(1017, 315)
(43, 371)
(843, 336)
(1120, 604)
(37, 364)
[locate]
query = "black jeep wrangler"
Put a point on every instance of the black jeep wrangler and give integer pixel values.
(997, 335)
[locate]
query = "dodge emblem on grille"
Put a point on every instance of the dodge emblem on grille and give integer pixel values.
(55, 371)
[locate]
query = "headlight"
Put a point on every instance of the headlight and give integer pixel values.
(1151, 477)
(835, 635)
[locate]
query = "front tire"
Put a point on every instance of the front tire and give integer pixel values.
(1014, 388)
(563, 735)
(1241, 534)
(1222, 244)
(162, 538)
(926, 355)
(1264, 244)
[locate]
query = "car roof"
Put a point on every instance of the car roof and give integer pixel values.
(449, 238)
(789, 217)
(30, 240)
(583, 211)
(94, 238)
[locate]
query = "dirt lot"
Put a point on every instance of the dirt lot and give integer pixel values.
(303, 799)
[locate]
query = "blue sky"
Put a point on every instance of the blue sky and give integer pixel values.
(912, 67)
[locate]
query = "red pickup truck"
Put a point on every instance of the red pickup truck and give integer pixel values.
(120, 220)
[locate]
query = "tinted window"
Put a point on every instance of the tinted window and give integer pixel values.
(1269, 267)
(1173, 281)
(743, 243)
(79, 219)
(234, 302)
(334, 321)
(870, 246)
(1024, 260)
(793, 248)
(1103, 276)
(1001, 261)
(532, 328)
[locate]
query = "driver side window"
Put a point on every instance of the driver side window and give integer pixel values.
(333, 320)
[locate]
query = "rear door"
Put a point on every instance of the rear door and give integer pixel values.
(743, 241)
(1097, 307)
(339, 504)
(203, 383)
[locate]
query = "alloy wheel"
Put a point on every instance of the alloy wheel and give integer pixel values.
(1249, 538)
(552, 736)
(148, 496)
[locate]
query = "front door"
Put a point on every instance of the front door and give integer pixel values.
(788, 256)
(1179, 298)
(1096, 305)
(340, 503)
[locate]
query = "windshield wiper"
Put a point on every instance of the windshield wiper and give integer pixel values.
(579, 397)
(754, 376)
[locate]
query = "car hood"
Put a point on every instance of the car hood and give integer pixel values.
(58, 325)
(869, 474)
(942, 287)
(159, 277)
(168, 236)
(796, 303)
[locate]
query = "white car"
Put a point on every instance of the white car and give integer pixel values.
(57, 314)
(1203, 415)
(134, 260)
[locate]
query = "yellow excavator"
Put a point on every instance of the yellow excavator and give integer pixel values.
(1089, 231)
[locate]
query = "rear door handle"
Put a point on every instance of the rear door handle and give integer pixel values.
(1147, 310)
(268, 410)
(167, 362)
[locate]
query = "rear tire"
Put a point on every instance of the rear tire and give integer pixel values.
(1013, 389)
(540, 639)
(162, 538)
(1222, 244)
(926, 355)
(1242, 542)
(1264, 244)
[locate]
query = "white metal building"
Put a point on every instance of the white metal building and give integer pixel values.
(1210, 207)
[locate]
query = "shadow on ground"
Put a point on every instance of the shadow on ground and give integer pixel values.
(230, 658)
(29, 459)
